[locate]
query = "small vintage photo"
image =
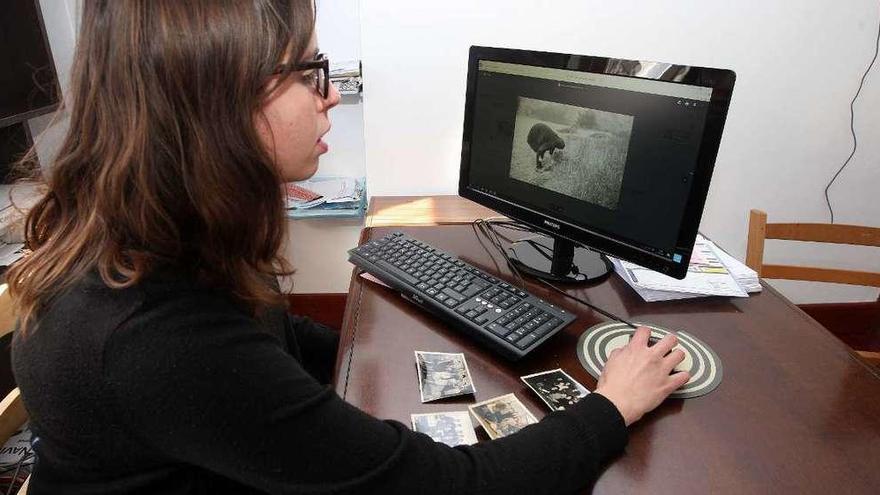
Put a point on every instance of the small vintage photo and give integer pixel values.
(452, 428)
(556, 388)
(577, 151)
(443, 374)
(502, 416)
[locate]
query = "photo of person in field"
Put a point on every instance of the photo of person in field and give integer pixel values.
(576, 151)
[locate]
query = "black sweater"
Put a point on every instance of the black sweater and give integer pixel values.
(168, 387)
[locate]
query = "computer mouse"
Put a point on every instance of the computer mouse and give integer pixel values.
(684, 365)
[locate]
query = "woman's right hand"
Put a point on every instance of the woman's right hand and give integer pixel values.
(636, 377)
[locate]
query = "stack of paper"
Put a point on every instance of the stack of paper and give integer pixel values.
(346, 75)
(322, 194)
(15, 201)
(745, 276)
(712, 272)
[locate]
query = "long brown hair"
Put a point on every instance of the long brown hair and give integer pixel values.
(162, 163)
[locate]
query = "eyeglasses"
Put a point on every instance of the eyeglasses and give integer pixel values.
(320, 68)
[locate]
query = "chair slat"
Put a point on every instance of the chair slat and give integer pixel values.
(24, 486)
(852, 277)
(12, 415)
(870, 357)
(822, 232)
(755, 247)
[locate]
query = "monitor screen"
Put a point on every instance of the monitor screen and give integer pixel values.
(614, 154)
(27, 72)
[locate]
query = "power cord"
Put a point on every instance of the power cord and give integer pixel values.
(487, 229)
(852, 128)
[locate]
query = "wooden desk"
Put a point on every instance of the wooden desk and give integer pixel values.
(796, 412)
(424, 210)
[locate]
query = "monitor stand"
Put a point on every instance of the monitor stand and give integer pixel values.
(559, 260)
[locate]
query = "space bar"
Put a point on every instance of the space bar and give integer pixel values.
(397, 272)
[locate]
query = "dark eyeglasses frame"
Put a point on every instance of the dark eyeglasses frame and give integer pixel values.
(320, 62)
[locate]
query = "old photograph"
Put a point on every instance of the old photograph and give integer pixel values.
(452, 428)
(577, 151)
(556, 388)
(502, 416)
(443, 374)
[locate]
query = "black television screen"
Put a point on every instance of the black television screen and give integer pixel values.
(28, 84)
(609, 153)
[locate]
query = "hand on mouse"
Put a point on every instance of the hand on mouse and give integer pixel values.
(637, 378)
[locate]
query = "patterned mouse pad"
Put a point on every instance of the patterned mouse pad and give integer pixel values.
(700, 360)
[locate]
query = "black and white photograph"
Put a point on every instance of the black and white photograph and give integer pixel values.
(502, 416)
(452, 428)
(556, 388)
(442, 375)
(577, 151)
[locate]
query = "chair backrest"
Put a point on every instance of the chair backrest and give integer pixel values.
(12, 412)
(7, 312)
(759, 230)
(12, 417)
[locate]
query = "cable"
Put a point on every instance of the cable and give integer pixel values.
(595, 308)
(489, 232)
(487, 228)
(852, 129)
(26, 456)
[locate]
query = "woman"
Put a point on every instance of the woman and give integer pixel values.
(154, 353)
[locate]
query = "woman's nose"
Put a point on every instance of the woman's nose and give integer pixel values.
(332, 98)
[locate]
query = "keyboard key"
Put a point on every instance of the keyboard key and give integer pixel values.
(397, 272)
(526, 341)
(453, 293)
(472, 291)
(544, 329)
(497, 329)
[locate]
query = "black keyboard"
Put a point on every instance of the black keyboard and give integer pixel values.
(506, 318)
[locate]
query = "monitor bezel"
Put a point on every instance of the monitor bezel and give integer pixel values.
(720, 80)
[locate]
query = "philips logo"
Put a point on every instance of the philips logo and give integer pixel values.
(552, 224)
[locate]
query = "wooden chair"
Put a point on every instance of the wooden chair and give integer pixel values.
(12, 412)
(759, 230)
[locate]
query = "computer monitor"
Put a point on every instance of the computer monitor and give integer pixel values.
(28, 84)
(592, 152)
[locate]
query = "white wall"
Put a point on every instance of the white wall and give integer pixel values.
(798, 65)
(317, 248)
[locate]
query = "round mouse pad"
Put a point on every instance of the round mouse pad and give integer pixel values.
(700, 360)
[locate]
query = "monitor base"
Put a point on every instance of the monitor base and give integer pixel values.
(559, 260)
